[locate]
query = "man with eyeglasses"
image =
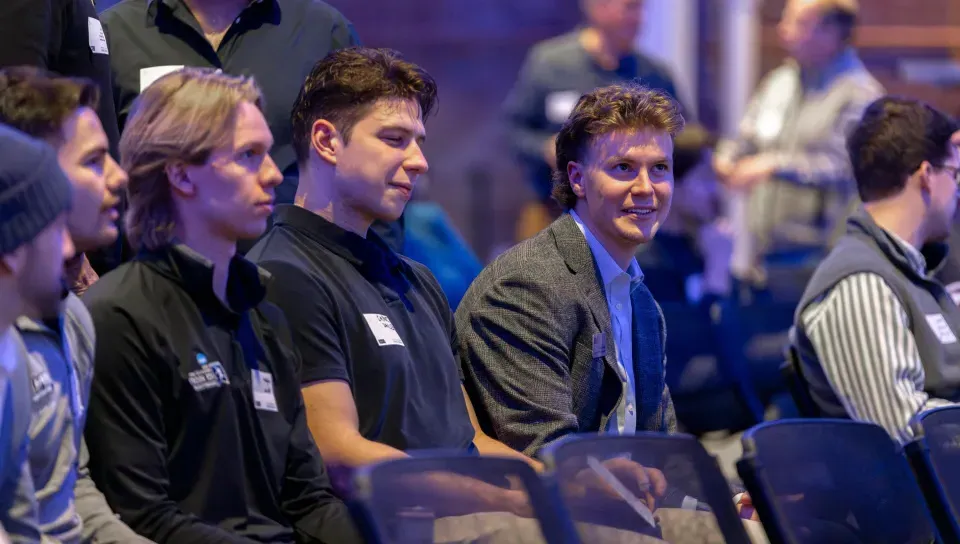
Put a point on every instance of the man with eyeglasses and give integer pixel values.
(877, 334)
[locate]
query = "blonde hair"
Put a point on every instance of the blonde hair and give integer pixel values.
(180, 119)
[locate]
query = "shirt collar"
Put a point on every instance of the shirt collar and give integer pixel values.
(246, 282)
(371, 255)
(609, 269)
(174, 5)
(914, 256)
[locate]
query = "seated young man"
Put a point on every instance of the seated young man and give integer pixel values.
(876, 333)
(35, 198)
(62, 111)
(374, 329)
(196, 430)
(560, 335)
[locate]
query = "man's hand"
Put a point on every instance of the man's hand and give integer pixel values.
(647, 484)
(750, 172)
(550, 152)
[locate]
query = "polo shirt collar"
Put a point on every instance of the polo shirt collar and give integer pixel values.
(246, 282)
(371, 255)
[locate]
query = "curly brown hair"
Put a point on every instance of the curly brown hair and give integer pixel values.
(625, 106)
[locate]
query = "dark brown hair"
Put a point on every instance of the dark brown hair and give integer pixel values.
(627, 106)
(894, 137)
(38, 102)
(344, 85)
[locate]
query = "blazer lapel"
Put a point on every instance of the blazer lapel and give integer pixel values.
(573, 247)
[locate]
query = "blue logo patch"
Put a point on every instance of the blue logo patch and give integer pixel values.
(201, 359)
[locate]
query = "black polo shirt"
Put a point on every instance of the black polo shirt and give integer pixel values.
(196, 425)
(378, 321)
(275, 41)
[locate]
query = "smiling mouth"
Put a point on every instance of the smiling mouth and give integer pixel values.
(640, 212)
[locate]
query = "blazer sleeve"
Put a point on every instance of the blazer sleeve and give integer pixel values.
(515, 353)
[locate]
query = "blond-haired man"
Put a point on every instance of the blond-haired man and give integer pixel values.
(197, 430)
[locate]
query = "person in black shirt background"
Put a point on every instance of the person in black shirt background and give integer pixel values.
(196, 426)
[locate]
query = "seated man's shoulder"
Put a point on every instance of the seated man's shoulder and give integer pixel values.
(533, 266)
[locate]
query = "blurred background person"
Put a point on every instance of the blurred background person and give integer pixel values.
(556, 73)
(787, 159)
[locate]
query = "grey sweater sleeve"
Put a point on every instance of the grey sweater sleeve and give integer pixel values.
(100, 524)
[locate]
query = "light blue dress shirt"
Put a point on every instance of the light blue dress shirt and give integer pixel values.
(616, 288)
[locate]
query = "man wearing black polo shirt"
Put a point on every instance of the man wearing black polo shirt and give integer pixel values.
(196, 426)
(275, 41)
(374, 329)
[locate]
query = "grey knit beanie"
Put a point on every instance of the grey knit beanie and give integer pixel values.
(34, 191)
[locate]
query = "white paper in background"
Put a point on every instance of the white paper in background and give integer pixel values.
(560, 104)
(153, 73)
(96, 37)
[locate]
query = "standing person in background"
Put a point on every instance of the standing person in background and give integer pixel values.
(34, 199)
(65, 37)
(554, 75)
(787, 158)
(275, 41)
(62, 111)
(197, 430)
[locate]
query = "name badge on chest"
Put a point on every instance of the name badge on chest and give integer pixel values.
(263, 397)
(383, 330)
(941, 328)
(599, 345)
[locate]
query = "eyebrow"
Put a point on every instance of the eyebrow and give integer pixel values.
(623, 158)
(421, 137)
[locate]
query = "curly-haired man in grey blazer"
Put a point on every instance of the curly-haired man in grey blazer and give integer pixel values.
(559, 335)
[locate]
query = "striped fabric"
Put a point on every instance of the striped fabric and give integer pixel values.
(861, 335)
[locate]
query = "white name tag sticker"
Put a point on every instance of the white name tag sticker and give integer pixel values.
(96, 37)
(559, 105)
(941, 329)
(153, 73)
(383, 330)
(263, 396)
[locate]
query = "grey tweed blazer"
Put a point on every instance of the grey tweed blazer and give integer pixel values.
(525, 331)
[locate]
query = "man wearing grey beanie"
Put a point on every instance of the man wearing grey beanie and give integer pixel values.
(34, 198)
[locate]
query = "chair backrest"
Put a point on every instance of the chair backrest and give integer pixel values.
(607, 483)
(792, 373)
(935, 456)
(457, 498)
(832, 480)
(757, 333)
